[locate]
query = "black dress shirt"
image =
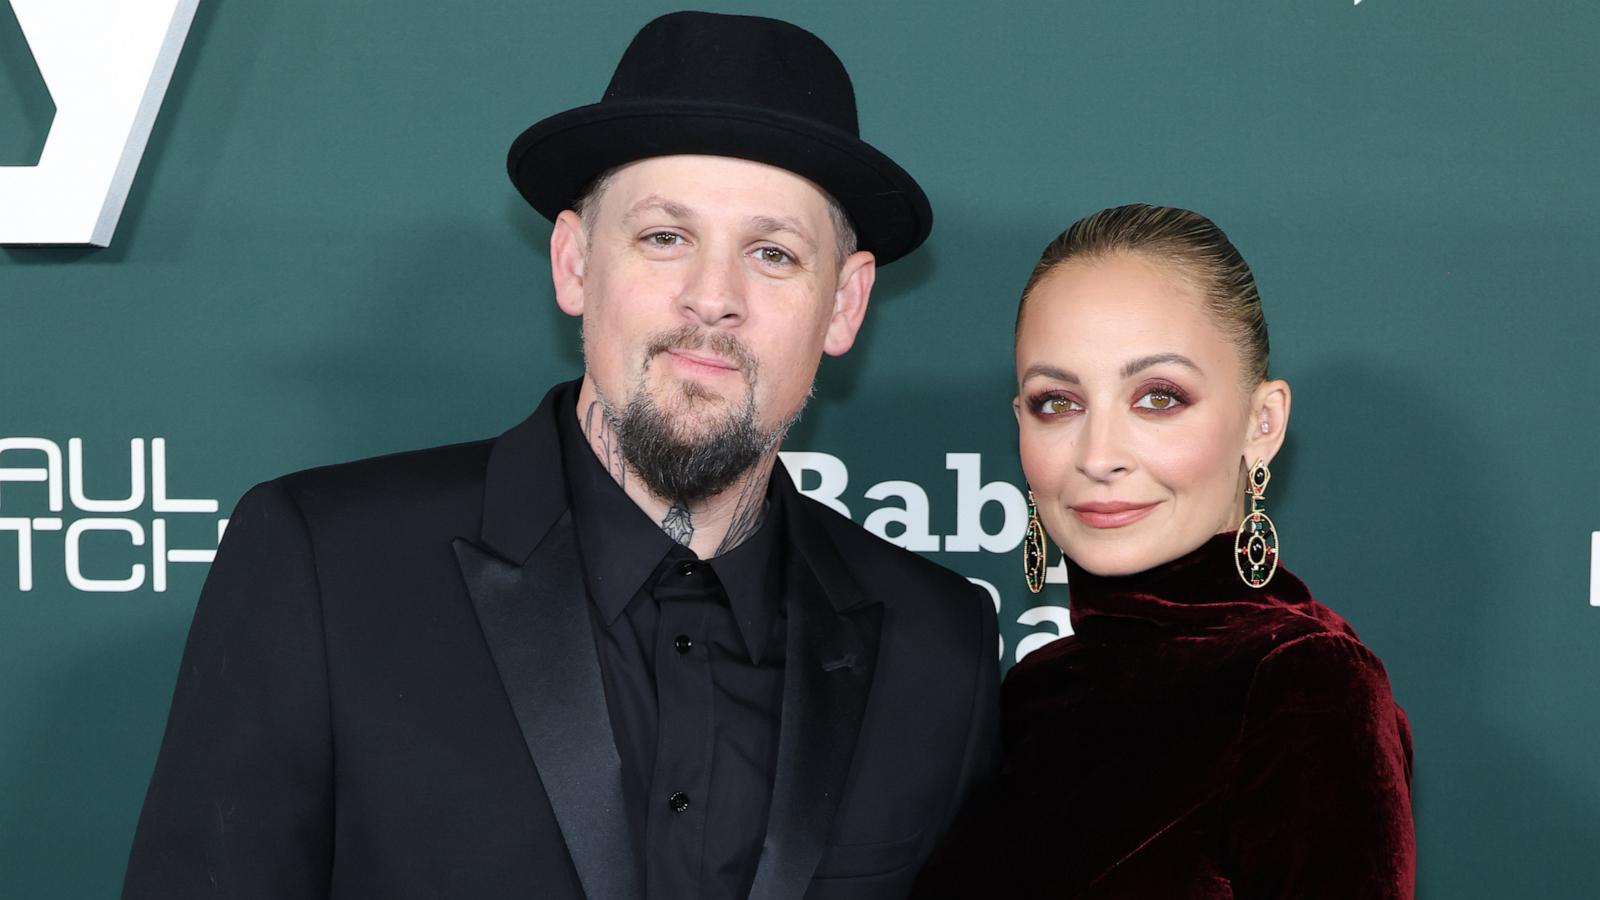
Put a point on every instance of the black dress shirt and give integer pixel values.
(691, 656)
(390, 690)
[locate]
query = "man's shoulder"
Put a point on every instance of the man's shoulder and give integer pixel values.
(939, 616)
(886, 570)
(394, 483)
(408, 470)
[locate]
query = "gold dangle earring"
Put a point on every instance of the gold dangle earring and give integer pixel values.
(1033, 561)
(1256, 543)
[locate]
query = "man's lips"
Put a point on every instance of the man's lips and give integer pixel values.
(696, 361)
(1110, 514)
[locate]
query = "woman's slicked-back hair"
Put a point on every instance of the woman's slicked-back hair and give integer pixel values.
(1192, 246)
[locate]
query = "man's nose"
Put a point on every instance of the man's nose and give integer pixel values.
(714, 293)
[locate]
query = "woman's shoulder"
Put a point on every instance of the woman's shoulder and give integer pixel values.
(1291, 623)
(1045, 661)
(1320, 672)
(1050, 674)
(1320, 795)
(1319, 653)
(1298, 633)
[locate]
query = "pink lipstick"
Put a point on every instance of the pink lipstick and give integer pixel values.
(1111, 514)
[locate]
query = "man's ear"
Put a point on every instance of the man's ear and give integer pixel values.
(856, 277)
(1269, 421)
(569, 249)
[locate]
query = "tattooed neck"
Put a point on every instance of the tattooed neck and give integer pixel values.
(679, 523)
(749, 507)
(746, 506)
(603, 441)
(721, 523)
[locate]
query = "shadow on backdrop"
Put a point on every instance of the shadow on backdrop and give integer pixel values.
(1415, 487)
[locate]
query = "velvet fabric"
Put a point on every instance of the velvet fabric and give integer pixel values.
(1194, 738)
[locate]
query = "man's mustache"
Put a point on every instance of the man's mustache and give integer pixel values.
(691, 337)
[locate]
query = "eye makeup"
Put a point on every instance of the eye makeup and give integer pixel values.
(1164, 397)
(1049, 405)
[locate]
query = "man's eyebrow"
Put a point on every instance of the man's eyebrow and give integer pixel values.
(672, 209)
(1155, 359)
(775, 224)
(1049, 372)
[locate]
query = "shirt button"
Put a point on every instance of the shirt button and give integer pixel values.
(682, 643)
(688, 568)
(679, 801)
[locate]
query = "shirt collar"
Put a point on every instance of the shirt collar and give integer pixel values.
(619, 544)
(750, 575)
(621, 547)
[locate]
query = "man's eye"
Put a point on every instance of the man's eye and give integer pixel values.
(663, 239)
(773, 256)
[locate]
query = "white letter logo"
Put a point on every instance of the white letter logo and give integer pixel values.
(1594, 569)
(106, 64)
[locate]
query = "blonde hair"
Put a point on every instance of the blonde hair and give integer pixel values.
(1193, 246)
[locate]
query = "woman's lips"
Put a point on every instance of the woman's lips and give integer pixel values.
(1111, 515)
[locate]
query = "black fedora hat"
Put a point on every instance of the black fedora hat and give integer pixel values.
(723, 85)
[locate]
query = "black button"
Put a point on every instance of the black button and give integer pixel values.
(688, 568)
(682, 643)
(679, 801)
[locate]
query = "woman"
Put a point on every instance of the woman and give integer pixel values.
(1209, 730)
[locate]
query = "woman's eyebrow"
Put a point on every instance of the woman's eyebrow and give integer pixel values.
(1144, 362)
(1049, 372)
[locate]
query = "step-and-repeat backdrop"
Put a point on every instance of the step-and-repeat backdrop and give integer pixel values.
(320, 258)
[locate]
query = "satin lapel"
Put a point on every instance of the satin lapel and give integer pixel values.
(827, 679)
(536, 621)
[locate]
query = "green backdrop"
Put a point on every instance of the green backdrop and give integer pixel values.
(322, 259)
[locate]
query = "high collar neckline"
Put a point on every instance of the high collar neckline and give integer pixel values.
(1200, 590)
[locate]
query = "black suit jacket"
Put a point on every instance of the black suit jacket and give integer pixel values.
(391, 690)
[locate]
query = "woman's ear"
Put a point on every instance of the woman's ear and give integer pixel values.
(1269, 421)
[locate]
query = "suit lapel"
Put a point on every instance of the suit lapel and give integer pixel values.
(832, 648)
(536, 622)
(535, 618)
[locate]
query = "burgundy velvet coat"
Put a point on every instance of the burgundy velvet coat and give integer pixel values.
(1194, 738)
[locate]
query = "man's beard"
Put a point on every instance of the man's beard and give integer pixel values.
(687, 469)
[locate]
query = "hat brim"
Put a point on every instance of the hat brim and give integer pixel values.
(556, 158)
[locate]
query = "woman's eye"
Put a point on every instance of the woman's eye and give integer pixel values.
(1055, 406)
(1159, 399)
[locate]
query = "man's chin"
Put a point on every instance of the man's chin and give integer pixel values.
(692, 401)
(693, 424)
(695, 429)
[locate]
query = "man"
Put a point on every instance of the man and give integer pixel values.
(612, 653)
